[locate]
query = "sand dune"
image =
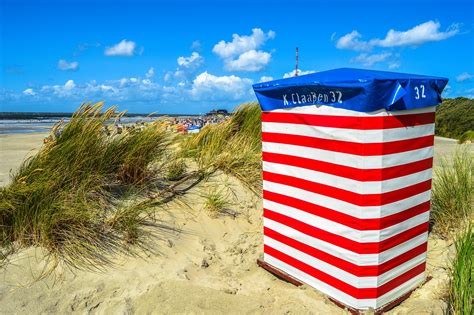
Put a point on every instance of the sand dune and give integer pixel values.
(200, 265)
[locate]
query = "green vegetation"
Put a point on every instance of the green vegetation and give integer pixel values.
(455, 118)
(216, 202)
(451, 214)
(461, 287)
(467, 136)
(453, 193)
(176, 169)
(68, 197)
(233, 146)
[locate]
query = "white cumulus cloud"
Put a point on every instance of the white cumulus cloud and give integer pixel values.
(68, 66)
(124, 48)
(242, 54)
(300, 72)
(242, 43)
(59, 90)
(394, 65)
(464, 77)
(371, 59)
(265, 79)
(29, 92)
(191, 62)
(352, 41)
(211, 87)
(150, 73)
(418, 35)
(69, 85)
(250, 61)
(187, 68)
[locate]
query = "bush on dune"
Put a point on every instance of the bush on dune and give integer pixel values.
(454, 117)
(468, 136)
(65, 197)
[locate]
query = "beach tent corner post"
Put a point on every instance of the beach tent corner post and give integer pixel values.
(347, 168)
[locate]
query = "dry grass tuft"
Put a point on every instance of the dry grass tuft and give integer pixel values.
(215, 202)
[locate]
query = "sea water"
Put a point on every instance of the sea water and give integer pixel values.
(15, 123)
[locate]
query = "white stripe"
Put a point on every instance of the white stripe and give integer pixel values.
(396, 92)
(352, 135)
(368, 212)
(345, 254)
(401, 290)
(355, 281)
(373, 187)
(364, 236)
(315, 283)
(399, 270)
(346, 159)
(341, 296)
(333, 111)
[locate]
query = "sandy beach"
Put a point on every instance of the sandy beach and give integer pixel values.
(200, 264)
(14, 148)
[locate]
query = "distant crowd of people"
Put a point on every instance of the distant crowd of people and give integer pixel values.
(181, 125)
(178, 124)
(200, 121)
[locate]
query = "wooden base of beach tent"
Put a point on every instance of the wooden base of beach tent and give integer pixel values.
(286, 277)
(278, 273)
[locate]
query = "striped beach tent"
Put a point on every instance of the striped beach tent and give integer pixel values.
(347, 168)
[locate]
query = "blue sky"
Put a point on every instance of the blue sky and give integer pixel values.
(193, 56)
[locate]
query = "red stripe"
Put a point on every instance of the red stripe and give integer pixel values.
(363, 200)
(358, 293)
(345, 219)
(362, 149)
(356, 270)
(363, 175)
(351, 122)
(343, 242)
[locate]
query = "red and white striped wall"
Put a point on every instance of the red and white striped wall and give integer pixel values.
(347, 199)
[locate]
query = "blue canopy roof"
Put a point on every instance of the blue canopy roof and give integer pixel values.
(352, 89)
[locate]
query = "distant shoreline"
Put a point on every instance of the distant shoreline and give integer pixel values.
(31, 122)
(43, 115)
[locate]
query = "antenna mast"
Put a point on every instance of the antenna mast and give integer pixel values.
(296, 67)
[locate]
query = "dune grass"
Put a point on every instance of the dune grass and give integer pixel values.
(233, 146)
(453, 193)
(66, 198)
(215, 202)
(461, 287)
(451, 216)
(176, 168)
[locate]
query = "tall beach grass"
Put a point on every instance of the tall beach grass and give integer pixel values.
(453, 193)
(232, 146)
(66, 198)
(452, 218)
(461, 286)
